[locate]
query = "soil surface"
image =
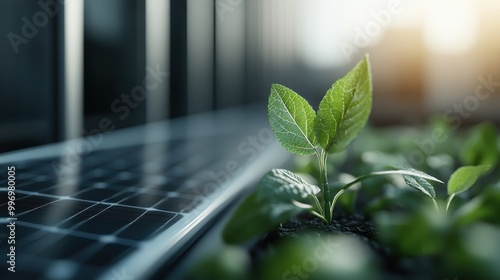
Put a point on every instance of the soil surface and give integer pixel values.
(354, 225)
(308, 226)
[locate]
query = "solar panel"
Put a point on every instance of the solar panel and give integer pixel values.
(119, 201)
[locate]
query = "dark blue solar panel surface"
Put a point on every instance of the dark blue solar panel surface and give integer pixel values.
(111, 202)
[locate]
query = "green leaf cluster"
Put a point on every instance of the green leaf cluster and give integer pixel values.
(342, 113)
(281, 194)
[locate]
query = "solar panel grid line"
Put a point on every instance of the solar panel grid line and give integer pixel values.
(106, 223)
(172, 221)
(108, 206)
(124, 198)
(141, 199)
(145, 227)
(31, 203)
(61, 190)
(116, 201)
(120, 195)
(92, 194)
(98, 237)
(129, 224)
(65, 209)
(53, 253)
(96, 247)
(43, 230)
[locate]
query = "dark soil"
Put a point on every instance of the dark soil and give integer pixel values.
(354, 225)
(308, 226)
(311, 227)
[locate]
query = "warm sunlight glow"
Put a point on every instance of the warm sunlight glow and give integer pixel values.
(450, 26)
(332, 32)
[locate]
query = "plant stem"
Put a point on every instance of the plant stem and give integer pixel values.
(319, 216)
(381, 173)
(435, 205)
(388, 172)
(318, 204)
(448, 201)
(341, 191)
(324, 185)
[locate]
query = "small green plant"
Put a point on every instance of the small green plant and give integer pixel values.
(480, 154)
(281, 194)
(464, 241)
(463, 178)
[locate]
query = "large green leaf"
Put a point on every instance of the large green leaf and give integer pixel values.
(281, 184)
(464, 177)
(292, 120)
(345, 108)
(255, 217)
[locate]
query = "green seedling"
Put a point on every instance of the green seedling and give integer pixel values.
(463, 178)
(464, 242)
(480, 154)
(281, 194)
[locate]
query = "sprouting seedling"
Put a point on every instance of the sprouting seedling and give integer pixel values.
(464, 178)
(479, 154)
(342, 113)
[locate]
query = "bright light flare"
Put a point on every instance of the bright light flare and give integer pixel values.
(451, 27)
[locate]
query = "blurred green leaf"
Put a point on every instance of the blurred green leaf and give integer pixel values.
(484, 207)
(415, 234)
(481, 146)
(292, 120)
(321, 256)
(227, 264)
(464, 177)
(255, 217)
